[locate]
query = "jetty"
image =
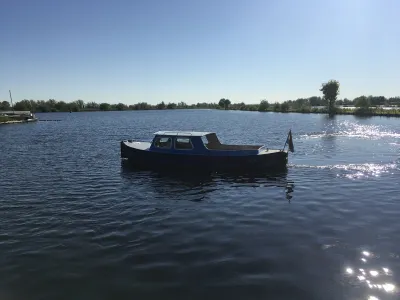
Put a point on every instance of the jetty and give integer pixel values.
(15, 117)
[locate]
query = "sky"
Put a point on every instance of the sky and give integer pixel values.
(132, 51)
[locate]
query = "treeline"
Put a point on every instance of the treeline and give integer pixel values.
(300, 105)
(52, 105)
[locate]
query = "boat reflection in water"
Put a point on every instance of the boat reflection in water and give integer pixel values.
(196, 186)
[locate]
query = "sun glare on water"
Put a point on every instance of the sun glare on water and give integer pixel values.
(379, 280)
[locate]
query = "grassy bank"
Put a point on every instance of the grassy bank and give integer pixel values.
(371, 112)
(4, 119)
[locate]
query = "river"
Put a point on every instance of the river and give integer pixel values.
(76, 224)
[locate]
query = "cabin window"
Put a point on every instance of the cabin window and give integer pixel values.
(205, 141)
(163, 142)
(183, 144)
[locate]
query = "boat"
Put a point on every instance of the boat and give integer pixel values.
(172, 150)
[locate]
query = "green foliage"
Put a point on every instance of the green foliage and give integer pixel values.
(80, 104)
(105, 106)
(171, 106)
(264, 105)
(59, 106)
(330, 90)
(73, 107)
(5, 105)
(22, 105)
(121, 106)
(305, 109)
(92, 106)
(284, 107)
(140, 106)
(314, 104)
(224, 103)
(161, 105)
(4, 119)
(277, 107)
(362, 102)
(315, 101)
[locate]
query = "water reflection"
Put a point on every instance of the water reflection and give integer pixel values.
(195, 186)
(352, 130)
(356, 171)
(378, 279)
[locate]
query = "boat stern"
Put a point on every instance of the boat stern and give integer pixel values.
(273, 157)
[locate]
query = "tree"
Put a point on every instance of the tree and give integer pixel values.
(315, 101)
(285, 107)
(24, 105)
(92, 105)
(182, 105)
(221, 102)
(171, 106)
(362, 102)
(105, 106)
(242, 106)
(224, 103)
(121, 106)
(161, 105)
(73, 106)
(277, 107)
(51, 103)
(80, 104)
(330, 90)
(227, 103)
(5, 105)
(347, 102)
(264, 105)
(61, 106)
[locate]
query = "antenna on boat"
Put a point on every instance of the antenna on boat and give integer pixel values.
(12, 106)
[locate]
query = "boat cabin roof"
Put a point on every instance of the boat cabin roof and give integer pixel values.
(183, 133)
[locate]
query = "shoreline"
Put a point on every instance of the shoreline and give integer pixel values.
(357, 112)
(340, 111)
(18, 121)
(395, 113)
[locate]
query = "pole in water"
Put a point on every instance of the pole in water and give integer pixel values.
(12, 106)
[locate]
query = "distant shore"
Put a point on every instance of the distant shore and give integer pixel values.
(360, 106)
(370, 112)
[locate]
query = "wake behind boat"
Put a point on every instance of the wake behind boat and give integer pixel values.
(201, 150)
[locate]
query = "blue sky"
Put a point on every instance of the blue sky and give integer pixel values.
(197, 51)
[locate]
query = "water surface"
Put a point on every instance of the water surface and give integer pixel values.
(77, 224)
